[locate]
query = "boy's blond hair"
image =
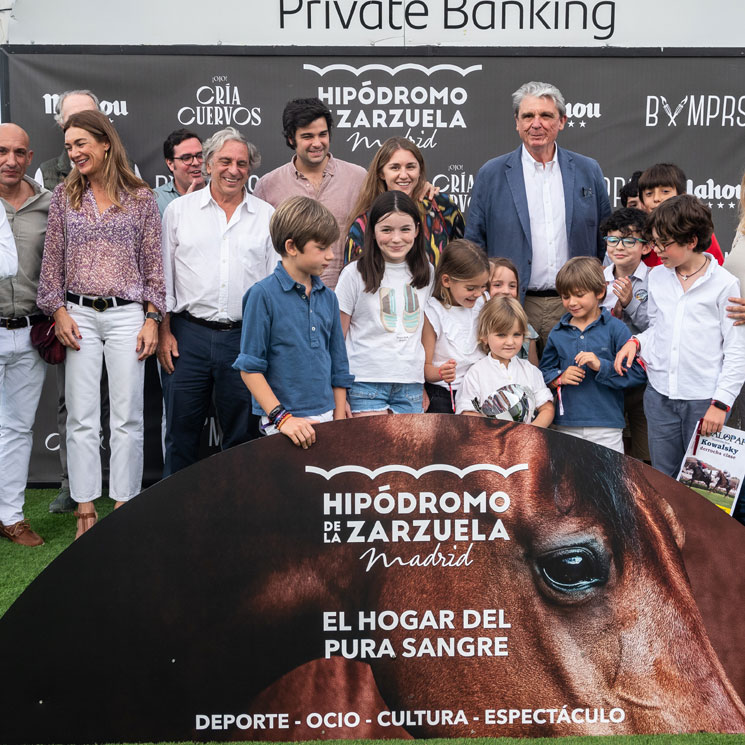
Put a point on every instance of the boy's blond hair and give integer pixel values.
(498, 316)
(302, 219)
(582, 273)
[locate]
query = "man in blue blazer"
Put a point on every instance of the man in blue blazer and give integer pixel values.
(539, 205)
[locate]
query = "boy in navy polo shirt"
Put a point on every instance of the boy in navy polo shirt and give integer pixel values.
(579, 356)
(293, 358)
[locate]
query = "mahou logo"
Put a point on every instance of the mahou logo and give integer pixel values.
(219, 104)
(696, 110)
(579, 113)
(717, 196)
(110, 108)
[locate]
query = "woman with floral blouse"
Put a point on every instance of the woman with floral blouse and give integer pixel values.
(102, 281)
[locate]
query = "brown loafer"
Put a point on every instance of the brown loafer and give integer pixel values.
(21, 534)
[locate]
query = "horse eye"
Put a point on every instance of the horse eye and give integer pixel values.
(572, 569)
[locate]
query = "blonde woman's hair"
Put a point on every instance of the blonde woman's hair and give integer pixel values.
(117, 176)
(499, 316)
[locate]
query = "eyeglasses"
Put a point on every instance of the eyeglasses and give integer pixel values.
(614, 240)
(656, 244)
(187, 160)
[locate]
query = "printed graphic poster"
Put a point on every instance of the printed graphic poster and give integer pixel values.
(714, 466)
(416, 576)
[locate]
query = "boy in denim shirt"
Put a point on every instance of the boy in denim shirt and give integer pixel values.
(293, 358)
(579, 355)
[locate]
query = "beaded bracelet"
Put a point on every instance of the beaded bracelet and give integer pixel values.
(285, 416)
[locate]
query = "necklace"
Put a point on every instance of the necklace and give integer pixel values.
(686, 277)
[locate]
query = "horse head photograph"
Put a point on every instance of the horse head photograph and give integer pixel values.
(407, 576)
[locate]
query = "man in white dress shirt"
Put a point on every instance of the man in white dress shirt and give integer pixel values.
(540, 205)
(216, 244)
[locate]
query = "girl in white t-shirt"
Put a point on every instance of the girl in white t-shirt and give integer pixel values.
(381, 298)
(501, 330)
(449, 337)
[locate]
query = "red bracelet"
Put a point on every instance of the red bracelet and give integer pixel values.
(637, 342)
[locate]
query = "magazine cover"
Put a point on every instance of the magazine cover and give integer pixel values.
(714, 466)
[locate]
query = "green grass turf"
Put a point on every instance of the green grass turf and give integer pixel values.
(19, 565)
(724, 503)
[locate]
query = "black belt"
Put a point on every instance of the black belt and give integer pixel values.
(542, 293)
(214, 325)
(99, 303)
(20, 323)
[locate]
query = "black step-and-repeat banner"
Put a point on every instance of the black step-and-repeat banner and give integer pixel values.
(627, 112)
(416, 575)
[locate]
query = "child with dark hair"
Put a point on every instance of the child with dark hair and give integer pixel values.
(382, 295)
(629, 192)
(579, 355)
(658, 183)
(293, 358)
(626, 277)
(449, 335)
(694, 355)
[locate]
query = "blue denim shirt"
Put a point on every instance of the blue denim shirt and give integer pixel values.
(598, 400)
(295, 341)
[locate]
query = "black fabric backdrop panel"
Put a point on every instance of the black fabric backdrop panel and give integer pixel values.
(625, 112)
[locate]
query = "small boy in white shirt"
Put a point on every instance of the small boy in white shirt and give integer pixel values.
(694, 355)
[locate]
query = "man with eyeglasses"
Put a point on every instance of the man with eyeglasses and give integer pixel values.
(182, 151)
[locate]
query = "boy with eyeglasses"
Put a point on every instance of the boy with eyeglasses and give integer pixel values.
(626, 277)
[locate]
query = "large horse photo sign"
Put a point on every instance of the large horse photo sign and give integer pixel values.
(426, 576)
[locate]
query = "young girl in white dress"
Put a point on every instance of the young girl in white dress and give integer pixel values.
(449, 337)
(381, 298)
(501, 329)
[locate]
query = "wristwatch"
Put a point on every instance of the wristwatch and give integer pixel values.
(157, 317)
(720, 405)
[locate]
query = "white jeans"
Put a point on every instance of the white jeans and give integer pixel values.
(112, 336)
(21, 379)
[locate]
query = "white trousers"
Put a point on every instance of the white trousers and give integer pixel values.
(21, 379)
(610, 437)
(109, 336)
